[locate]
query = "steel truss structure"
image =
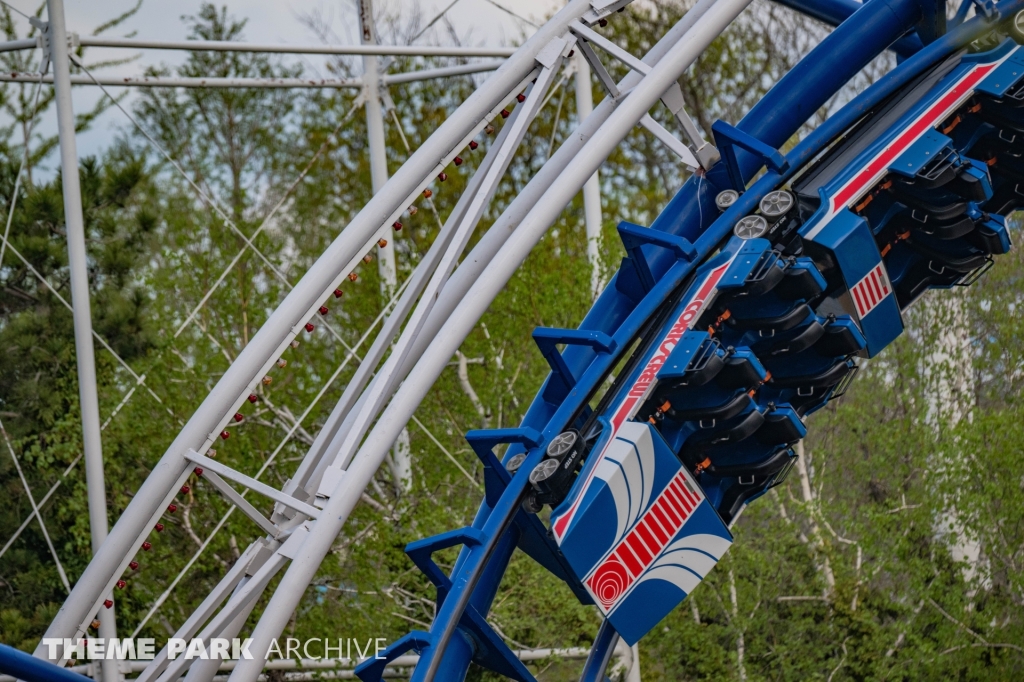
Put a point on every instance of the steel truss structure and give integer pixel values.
(682, 262)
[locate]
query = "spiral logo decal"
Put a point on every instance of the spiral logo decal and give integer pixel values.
(609, 582)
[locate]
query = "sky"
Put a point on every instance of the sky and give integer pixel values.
(479, 22)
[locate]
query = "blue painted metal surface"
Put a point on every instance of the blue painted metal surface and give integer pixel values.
(25, 667)
(784, 323)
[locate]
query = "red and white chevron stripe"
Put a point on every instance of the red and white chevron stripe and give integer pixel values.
(644, 543)
(871, 290)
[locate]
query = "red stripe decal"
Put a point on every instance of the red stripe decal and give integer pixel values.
(875, 289)
(635, 549)
(682, 504)
(633, 563)
(666, 523)
(856, 299)
(674, 515)
(937, 111)
(655, 527)
(651, 541)
(880, 279)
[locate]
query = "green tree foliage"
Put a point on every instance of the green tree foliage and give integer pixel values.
(845, 572)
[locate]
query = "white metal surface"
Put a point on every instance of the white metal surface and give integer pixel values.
(81, 312)
(592, 188)
(291, 83)
(233, 46)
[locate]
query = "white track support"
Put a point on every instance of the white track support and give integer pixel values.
(218, 469)
(475, 262)
(592, 36)
(375, 140)
(240, 601)
(592, 188)
(232, 46)
(289, 83)
(669, 140)
(300, 304)
(344, 497)
(485, 251)
(235, 575)
(345, 441)
(417, 282)
(79, 275)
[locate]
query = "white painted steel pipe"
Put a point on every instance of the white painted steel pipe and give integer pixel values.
(232, 46)
(262, 350)
(310, 469)
(301, 83)
(375, 140)
(592, 188)
(15, 45)
(78, 267)
(316, 546)
(346, 442)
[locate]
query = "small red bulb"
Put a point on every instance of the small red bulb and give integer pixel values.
(397, 226)
(225, 435)
(442, 176)
(159, 528)
(147, 546)
(457, 160)
(239, 416)
(352, 276)
(134, 565)
(602, 23)
(504, 113)
(520, 97)
(473, 144)
(107, 603)
(323, 310)
(121, 584)
(185, 490)
(198, 471)
(309, 328)
(253, 397)
(338, 293)
(171, 508)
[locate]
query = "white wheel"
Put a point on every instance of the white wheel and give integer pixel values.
(726, 198)
(776, 204)
(562, 444)
(751, 227)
